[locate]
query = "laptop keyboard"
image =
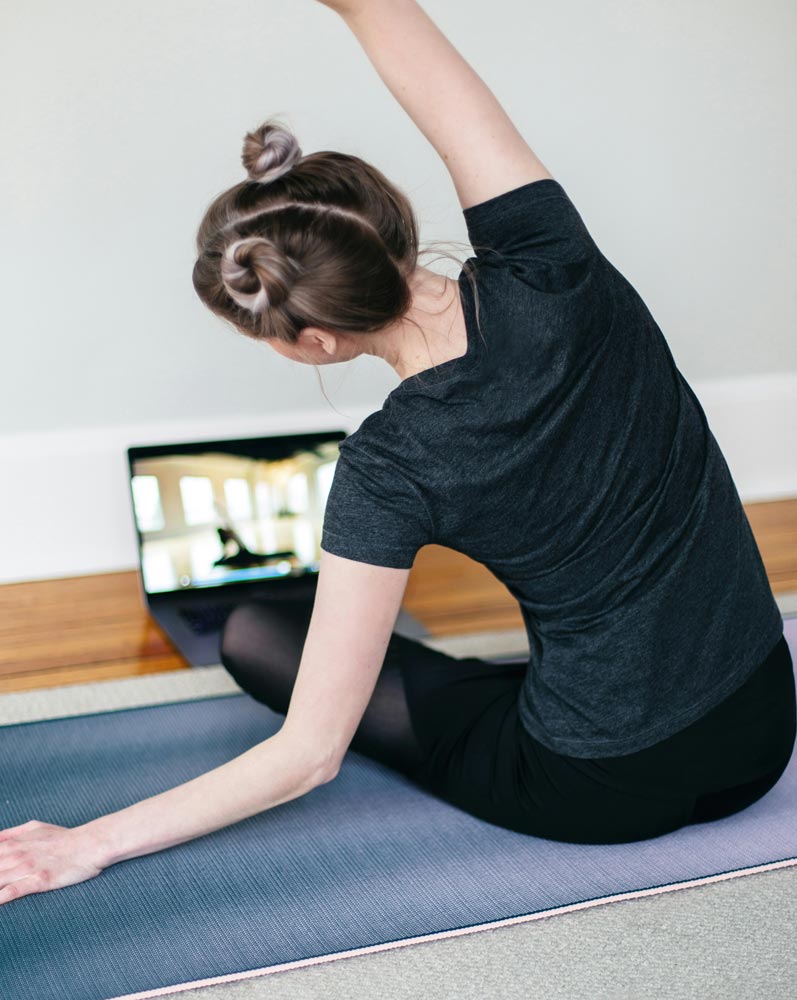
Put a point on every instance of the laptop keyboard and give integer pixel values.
(208, 617)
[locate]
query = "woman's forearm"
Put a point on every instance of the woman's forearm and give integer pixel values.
(265, 776)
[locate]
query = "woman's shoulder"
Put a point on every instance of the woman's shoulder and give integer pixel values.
(531, 240)
(375, 442)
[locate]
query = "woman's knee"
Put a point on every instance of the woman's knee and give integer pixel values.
(241, 633)
(261, 647)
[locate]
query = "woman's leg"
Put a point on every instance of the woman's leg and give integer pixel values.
(452, 725)
(262, 647)
(448, 723)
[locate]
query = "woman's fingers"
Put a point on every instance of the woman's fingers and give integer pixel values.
(41, 875)
(14, 887)
(9, 892)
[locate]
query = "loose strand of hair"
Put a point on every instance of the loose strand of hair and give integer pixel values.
(323, 392)
(468, 271)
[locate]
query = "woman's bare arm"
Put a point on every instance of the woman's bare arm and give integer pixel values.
(448, 101)
(354, 612)
(355, 609)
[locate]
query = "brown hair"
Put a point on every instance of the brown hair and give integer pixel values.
(319, 240)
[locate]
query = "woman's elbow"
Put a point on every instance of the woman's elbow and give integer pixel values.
(329, 759)
(329, 773)
(316, 765)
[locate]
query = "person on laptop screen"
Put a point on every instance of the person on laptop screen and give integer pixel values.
(540, 426)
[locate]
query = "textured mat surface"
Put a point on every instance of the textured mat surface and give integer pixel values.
(366, 861)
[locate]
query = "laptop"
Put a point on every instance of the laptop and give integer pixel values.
(220, 523)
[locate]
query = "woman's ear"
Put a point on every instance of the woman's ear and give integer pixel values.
(313, 339)
(320, 346)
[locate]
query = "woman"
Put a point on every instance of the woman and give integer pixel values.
(542, 427)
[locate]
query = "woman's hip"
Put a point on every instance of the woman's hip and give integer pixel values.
(718, 765)
(748, 735)
(481, 758)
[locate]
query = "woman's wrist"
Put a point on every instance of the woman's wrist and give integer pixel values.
(93, 844)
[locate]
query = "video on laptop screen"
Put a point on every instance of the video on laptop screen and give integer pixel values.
(218, 512)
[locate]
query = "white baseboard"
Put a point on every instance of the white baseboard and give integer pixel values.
(65, 510)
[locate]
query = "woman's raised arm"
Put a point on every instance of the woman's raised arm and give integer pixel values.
(445, 97)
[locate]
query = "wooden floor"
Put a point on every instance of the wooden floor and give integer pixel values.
(94, 628)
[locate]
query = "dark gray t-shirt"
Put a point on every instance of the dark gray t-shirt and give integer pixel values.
(567, 453)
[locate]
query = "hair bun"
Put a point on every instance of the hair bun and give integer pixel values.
(269, 152)
(256, 274)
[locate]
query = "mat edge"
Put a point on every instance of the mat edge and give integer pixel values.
(458, 931)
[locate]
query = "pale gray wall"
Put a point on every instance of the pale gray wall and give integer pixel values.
(669, 122)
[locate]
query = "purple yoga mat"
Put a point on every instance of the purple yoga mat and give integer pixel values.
(364, 863)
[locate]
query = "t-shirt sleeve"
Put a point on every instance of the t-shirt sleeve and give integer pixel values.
(373, 513)
(537, 231)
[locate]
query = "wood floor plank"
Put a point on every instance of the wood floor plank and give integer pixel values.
(107, 671)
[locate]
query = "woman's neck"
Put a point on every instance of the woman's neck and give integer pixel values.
(440, 334)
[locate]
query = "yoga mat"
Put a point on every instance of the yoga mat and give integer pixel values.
(361, 864)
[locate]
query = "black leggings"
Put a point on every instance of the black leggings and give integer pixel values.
(451, 725)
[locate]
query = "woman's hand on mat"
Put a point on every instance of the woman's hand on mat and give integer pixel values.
(38, 857)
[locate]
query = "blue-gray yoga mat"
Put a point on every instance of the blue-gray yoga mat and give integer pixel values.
(365, 861)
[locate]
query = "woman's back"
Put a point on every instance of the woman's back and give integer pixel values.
(567, 453)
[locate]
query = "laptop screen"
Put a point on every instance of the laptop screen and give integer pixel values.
(214, 512)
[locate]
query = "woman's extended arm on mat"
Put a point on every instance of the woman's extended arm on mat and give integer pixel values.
(448, 101)
(355, 609)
